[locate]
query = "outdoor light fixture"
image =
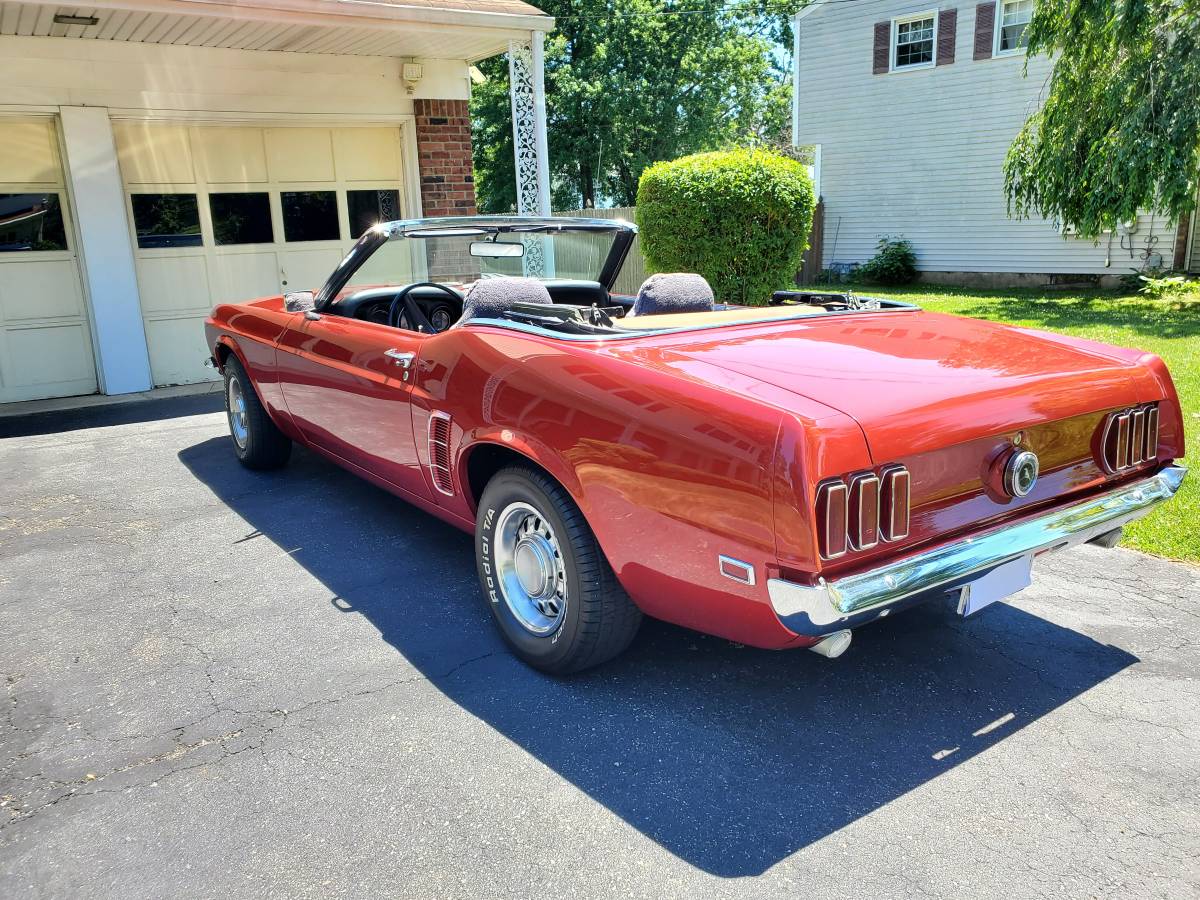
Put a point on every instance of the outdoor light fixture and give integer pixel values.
(411, 73)
(63, 19)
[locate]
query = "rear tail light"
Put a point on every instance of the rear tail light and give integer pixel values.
(1129, 438)
(857, 512)
(833, 512)
(864, 511)
(893, 522)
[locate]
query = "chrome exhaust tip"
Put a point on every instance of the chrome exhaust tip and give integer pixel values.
(833, 645)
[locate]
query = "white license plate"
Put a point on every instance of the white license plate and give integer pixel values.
(1003, 581)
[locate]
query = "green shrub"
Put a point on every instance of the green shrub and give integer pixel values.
(740, 218)
(894, 262)
(1169, 287)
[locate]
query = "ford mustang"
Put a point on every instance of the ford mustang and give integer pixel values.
(775, 474)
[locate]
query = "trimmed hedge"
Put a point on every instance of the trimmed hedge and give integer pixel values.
(740, 218)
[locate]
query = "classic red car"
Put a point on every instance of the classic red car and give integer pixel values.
(775, 475)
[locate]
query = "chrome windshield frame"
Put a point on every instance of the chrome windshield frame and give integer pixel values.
(373, 238)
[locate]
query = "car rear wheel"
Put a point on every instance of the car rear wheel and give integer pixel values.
(256, 440)
(554, 596)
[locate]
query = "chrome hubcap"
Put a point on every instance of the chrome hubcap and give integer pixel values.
(529, 562)
(238, 425)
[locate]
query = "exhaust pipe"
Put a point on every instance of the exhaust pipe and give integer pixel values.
(1109, 539)
(833, 645)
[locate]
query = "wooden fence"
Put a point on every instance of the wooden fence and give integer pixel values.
(635, 270)
(810, 268)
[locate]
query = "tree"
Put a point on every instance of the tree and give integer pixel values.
(1119, 127)
(632, 82)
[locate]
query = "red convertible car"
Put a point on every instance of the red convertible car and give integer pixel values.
(776, 475)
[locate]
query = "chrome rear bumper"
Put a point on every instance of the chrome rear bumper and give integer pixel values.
(815, 610)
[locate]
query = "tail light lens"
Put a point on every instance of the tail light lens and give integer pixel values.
(832, 515)
(860, 510)
(1129, 438)
(894, 513)
(863, 525)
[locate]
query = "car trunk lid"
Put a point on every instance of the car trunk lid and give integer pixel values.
(915, 381)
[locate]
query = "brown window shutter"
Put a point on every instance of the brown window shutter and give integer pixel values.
(881, 60)
(947, 23)
(985, 24)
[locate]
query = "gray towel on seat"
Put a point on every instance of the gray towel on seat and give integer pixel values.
(488, 298)
(673, 292)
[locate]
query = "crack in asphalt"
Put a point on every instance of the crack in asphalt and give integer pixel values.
(93, 783)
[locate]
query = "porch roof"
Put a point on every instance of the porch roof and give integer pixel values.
(429, 29)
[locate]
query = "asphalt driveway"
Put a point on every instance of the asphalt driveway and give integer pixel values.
(229, 684)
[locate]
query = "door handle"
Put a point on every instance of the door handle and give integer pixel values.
(403, 358)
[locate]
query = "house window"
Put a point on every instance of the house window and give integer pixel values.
(913, 41)
(166, 220)
(31, 222)
(1011, 36)
(369, 208)
(241, 218)
(309, 216)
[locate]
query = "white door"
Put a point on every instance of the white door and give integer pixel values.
(226, 213)
(45, 340)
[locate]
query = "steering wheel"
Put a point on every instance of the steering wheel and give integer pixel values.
(402, 302)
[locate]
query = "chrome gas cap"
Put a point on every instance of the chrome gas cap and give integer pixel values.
(1021, 473)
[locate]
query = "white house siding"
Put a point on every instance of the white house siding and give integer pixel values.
(919, 153)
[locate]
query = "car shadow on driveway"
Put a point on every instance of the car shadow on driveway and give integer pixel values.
(730, 758)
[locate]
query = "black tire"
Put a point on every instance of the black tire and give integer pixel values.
(264, 446)
(599, 619)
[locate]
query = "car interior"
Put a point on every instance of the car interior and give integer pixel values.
(442, 305)
(664, 301)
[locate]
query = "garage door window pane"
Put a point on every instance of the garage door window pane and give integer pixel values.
(369, 208)
(166, 220)
(31, 222)
(310, 216)
(241, 218)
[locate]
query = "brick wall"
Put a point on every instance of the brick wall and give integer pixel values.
(444, 157)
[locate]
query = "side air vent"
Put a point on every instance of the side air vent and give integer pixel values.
(1129, 438)
(439, 453)
(860, 510)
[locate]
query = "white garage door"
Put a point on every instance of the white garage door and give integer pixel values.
(222, 213)
(45, 340)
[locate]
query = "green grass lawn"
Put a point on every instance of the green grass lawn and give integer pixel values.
(1168, 328)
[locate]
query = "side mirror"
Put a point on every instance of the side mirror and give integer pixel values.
(299, 301)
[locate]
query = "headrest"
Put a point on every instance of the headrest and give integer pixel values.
(675, 292)
(488, 298)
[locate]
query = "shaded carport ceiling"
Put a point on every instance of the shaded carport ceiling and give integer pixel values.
(445, 29)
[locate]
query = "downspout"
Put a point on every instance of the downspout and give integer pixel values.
(796, 80)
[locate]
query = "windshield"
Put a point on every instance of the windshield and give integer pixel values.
(461, 255)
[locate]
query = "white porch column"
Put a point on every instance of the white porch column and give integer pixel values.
(527, 90)
(122, 360)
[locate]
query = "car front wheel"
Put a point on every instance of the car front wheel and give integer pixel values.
(256, 440)
(551, 591)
